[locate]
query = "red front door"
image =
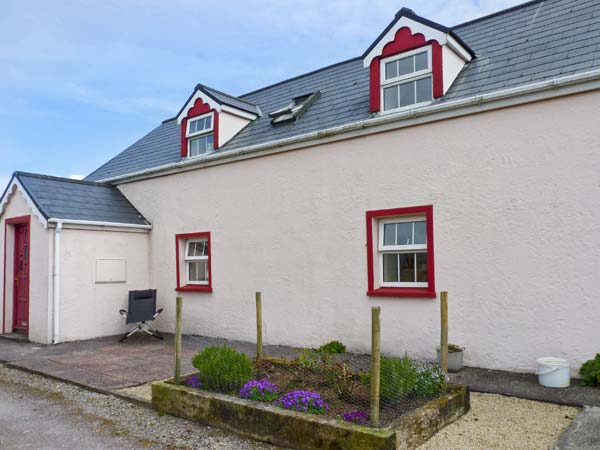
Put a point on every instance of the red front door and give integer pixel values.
(21, 272)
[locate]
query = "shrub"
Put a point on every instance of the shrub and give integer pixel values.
(333, 347)
(357, 417)
(431, 380)
(590, 372)
(341, 378)
(259, 390)
(303, 401)
(310, 359)
(453, 348)
(398, 377)
(222, 368)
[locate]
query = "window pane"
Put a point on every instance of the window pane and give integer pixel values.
(193, 147)
(199, 248)
(391, 70)
(390, 267)
(405, 233)
(424, 93)
(420, 233)
(210, 146)
(407, 94)
(390, 98)
(198, 270)
(422, 267)
(407, 267)
(421, 62)
(207, 121)
(406, 65)
(389, 234)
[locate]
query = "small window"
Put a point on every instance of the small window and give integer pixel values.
(193, 254)
(200, 135)
(196, 257)
(199, 125)
(400, 252)
(406, 80)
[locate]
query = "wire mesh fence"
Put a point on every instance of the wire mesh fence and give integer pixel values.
(328, 381)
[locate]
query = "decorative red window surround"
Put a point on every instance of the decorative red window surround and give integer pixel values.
(7, 222)
(198, 109)
(414, 292)
(193, 287)
(405, 41)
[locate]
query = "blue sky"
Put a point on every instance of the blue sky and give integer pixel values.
(81, 80)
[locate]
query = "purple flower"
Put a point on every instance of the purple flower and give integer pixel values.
(357, 417)
(193, 381)
(303, 401)
(260, 390)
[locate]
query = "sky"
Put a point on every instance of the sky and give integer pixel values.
(81, 80)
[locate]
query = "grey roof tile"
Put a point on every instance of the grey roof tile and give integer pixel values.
(63, 198)
(533, 42)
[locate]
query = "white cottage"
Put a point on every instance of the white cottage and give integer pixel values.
(462, 159)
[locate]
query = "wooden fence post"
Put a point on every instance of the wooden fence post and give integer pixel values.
(178, 307)
(259, 342)
(444, 331)
(375, 364)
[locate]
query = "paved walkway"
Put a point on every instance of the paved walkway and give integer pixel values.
(583, 433)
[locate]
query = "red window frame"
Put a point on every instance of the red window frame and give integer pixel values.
(193, 287)
(372, 254)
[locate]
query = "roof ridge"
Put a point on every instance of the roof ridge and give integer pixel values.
(497, 13)
(19, 173)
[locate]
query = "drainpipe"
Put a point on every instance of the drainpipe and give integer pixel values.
(56, 284)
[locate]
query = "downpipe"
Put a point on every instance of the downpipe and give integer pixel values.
(56, 285)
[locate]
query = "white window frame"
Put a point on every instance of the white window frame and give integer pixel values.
(413, 76)
(205, 131)
(394, 249)
(190, 259)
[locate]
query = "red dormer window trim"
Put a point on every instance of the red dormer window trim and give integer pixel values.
(405, 41)
(198, 109)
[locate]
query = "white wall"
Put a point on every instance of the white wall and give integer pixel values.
(88, 308)
(39, 271)
(516, 224)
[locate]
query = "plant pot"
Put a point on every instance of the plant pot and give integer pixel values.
(455, 360)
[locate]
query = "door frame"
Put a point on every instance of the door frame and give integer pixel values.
(15, 221)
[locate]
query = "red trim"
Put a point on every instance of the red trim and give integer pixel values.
(14, 221)
(198, 109)
(429, 291)
(193, 287)
(405, 41)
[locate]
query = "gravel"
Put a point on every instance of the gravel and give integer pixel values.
(504, 423)
(112, 416)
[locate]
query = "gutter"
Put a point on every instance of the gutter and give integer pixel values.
(60, 222)
(384, 122)
(56, 286)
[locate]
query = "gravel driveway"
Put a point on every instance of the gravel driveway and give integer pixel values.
(41, 414)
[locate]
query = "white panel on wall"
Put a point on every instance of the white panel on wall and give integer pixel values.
(111, 271)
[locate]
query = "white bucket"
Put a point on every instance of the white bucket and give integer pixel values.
(553, 372)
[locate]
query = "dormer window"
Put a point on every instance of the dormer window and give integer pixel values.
(200, 135)
(406, 79)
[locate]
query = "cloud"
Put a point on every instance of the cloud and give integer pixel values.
(76, 177)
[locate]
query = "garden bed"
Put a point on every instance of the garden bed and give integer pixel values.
(301, 431)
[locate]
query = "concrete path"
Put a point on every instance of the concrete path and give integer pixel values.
(525, 385)
(583, 433)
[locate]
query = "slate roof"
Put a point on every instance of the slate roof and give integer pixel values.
(532, 42)
(63, 198)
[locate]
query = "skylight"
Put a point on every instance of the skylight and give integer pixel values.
(295, 109)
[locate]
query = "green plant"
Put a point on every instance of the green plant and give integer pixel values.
(431, 380)
(453, 348)
(333, 347)
(223, 369)
(590, 372)
(310, 359)
(398, 377)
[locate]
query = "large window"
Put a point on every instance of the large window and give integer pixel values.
(400, 252)
(406, 79)
(193, 252)
(200, 135)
